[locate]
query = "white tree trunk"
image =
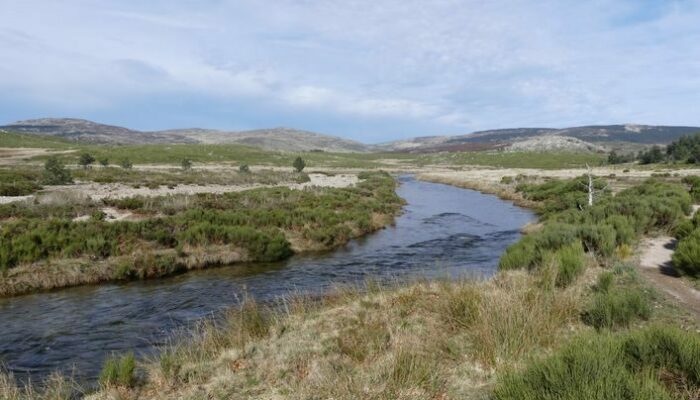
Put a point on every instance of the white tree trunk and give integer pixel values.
(590, 186)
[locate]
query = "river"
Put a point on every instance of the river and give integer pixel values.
(443, 231)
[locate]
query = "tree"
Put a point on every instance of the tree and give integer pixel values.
(244, 168)
(55, 173)
(86, 160)
(186, 164)
(615, 158)
(686, 149)
(104, 161)
(299, 164)
(126, 164)
(651, 156)
(591, 189)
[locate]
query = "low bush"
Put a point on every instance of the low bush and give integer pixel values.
(55, 173)
(686, 258)
(654, 363)
(617, 309)
(19, 182)
(570, 262)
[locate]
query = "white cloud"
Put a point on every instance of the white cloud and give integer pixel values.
(445, 65)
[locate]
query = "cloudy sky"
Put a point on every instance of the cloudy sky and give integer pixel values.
(371, 70)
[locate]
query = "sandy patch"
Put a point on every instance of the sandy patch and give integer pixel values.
(111, 215)
(99, 191)
(12, 199)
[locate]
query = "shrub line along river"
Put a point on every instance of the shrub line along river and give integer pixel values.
(444, 231)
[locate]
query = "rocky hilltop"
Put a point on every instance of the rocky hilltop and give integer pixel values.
(592, 138)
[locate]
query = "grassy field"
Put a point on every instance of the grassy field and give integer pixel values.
(223, 154)
(10, 139)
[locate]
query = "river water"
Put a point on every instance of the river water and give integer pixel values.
(443, 231)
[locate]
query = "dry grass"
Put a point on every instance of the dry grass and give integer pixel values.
(502, 190)
(55, 387)
(147, 263)
(425, 340)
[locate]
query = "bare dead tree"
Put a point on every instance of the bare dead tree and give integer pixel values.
(593, 193)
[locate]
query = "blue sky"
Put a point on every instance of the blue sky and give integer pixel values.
(369, 70)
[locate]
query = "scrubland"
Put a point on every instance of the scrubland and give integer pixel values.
(50, 245)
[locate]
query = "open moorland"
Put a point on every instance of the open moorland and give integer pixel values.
(597, 300)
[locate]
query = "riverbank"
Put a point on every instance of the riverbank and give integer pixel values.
(425, 340)
(48, 247)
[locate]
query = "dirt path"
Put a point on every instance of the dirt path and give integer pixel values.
(655, 264)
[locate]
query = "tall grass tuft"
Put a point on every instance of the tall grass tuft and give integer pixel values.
(119, 371)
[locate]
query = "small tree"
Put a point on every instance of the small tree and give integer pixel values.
(126, 164)
(186, 164)
(104, 162)
(244, 168)
(299, 164)
(55, 173)
(86, 160)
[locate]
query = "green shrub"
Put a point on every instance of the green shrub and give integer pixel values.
(119, 371)
(623, 227)
(507, 180)
(126, 164)
(85, 160)
(98, 215)
(570, 262)
(55, 173)
(522, 254)
(654, 363)
(599, 239)
(617, 309)
(686, 258)
(684, 229)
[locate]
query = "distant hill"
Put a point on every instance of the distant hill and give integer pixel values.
(90, 132)
(592, 138)
(281, 139)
